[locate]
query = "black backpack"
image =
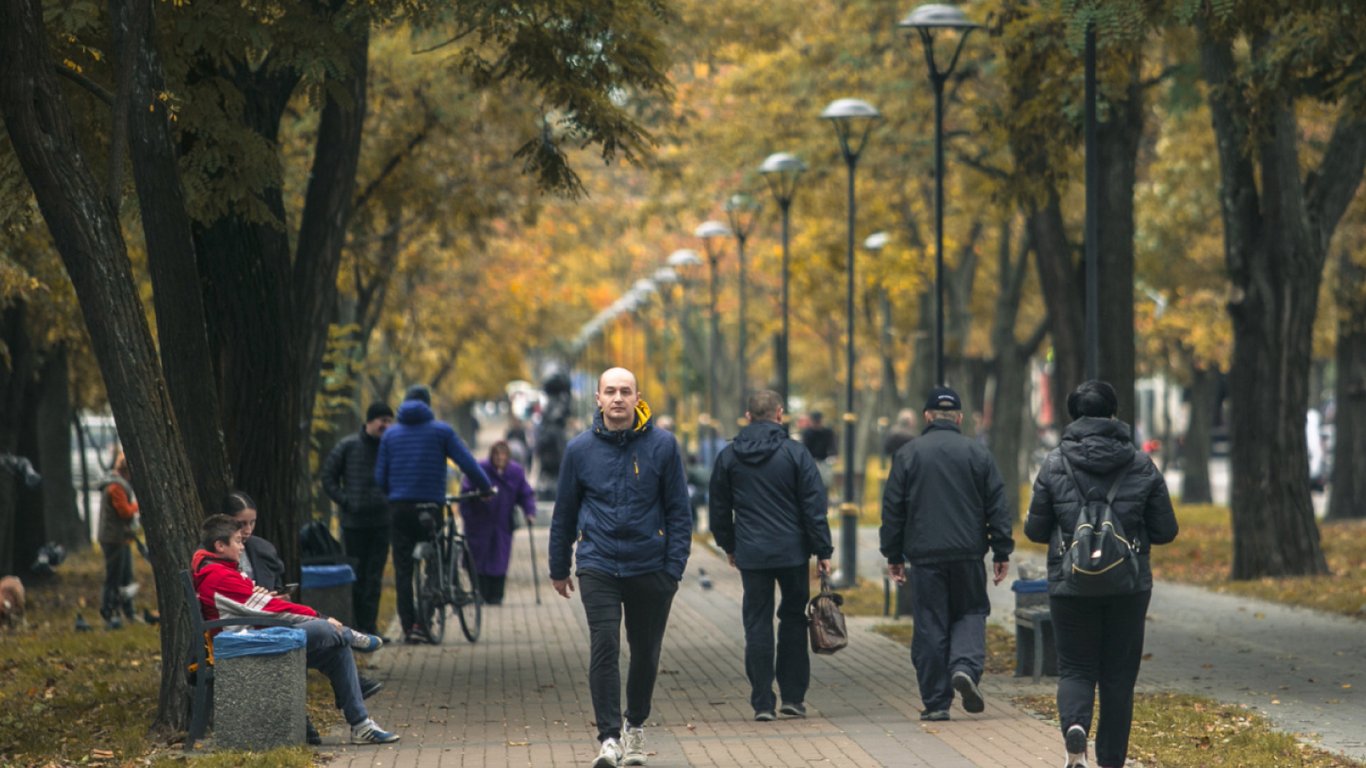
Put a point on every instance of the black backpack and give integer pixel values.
(1100, 559)
(317, 545)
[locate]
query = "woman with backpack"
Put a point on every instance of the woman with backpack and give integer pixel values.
(1099, 504)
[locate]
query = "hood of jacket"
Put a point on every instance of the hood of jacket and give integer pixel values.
(203, 557)
(642, 424)
(1099, 446)
(758, 441)
(414, 412)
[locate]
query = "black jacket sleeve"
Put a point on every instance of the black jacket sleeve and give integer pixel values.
(1042, 519)
(1000, 519)
(812, 496)
(720, 513)
(1159, 519)
(334, 467)
(893, 531)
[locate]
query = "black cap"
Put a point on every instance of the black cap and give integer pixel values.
(943, 399)
(419, 392)
(378, 411)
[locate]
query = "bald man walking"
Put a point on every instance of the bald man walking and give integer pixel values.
(622, 512)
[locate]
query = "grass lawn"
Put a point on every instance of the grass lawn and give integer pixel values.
(87, 698)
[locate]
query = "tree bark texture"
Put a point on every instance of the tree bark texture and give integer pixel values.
(1010, 366)
(15, 374)
(171, 259)
(92, 248)
(52, 425)
(1277, 229)
(1348, 497)
(1061, 283)
(1203, 393)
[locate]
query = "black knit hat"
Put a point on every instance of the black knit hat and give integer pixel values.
(419, 392)
(378, 411)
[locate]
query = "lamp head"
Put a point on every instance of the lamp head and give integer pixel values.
(933, 16)
(781, 170)
(684, 258)
(876, 241)
(853, 119)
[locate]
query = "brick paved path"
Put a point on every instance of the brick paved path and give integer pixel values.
(519, 697)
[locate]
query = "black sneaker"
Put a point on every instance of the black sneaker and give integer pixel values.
(311, 734)
(968, 692)
(417, 635)
(1075, 740)
(765, 716)
(368, 687)
(793, 709)
(935, 716)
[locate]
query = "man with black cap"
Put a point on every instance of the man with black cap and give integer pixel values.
(349, 480)
(942, 509)
(411, 468)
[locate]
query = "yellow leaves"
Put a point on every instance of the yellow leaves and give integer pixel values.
(73, 66)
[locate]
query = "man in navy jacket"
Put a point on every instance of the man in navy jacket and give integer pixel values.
(622, 510)
(411, 468)
(767, 509)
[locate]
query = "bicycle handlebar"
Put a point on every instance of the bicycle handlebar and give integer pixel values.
(476, 494)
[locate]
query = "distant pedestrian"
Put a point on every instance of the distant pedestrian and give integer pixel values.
(349, 480)
(489, 522)
(768, 508)
(411, 468)
(1099, 639)
(621, 512)
(818, 438)
(118, 525)
(942, 509)
(902, 432)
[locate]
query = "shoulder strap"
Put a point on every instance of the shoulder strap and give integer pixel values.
(1109, 496)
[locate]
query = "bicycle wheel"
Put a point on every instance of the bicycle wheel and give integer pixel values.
(465, 595)
(427, 588)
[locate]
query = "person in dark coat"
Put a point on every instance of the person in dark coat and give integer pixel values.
(411, 469)
(349, 480)
(1099, 639)
(622, 516)
(942, 509)
(901, 433)
(768, 513)
(489, 523)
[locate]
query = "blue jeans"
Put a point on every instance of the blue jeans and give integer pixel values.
(329, 651)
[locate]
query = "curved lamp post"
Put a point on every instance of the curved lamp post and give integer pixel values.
(743, 211)
(853, 119)
(782, 170)
(710, 232)
(928, 20)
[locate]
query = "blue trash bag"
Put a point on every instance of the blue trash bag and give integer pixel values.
(324, 576)
(267, 641)
(1029, 586)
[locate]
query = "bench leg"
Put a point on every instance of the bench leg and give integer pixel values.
(200, 701)
(1038, 651)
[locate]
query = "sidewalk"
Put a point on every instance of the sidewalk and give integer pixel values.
(519, 697)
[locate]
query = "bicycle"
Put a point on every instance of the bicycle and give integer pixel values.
(441, 579)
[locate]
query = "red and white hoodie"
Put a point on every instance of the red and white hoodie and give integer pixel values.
(224, 591)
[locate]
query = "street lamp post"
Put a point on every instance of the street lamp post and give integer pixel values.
(743, 211)
(684, 261)
(782, 170)
(928, 20)
(709, 232)
(853, 119)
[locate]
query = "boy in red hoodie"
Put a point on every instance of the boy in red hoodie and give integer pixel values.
(225, 591)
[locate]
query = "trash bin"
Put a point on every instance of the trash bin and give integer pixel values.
(1034, 644)
(259, 688)
(327, 589)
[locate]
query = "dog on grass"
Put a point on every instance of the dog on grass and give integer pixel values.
(11, 602)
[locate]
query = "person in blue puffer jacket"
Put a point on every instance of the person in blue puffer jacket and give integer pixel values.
(622, 511)
(411, 469)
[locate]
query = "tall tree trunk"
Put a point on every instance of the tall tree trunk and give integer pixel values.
(91, 245)
(16, 370)
(1119, 136)
(1195, 451)
(171, 257)
(1277, 229)
(1348, 497)
(1060, 281)
(52, 423)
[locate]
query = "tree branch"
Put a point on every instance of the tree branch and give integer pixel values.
(97, 90)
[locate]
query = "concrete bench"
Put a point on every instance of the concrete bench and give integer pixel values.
(1034, 644)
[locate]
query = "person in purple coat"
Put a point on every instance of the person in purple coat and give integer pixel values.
(489, 523)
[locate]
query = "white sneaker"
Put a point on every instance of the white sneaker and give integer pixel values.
(610, 754)
(635, 746)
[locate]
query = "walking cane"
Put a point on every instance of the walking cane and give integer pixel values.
(535, 576)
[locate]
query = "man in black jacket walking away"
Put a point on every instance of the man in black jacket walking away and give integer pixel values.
(942, 509)
(767, 508)
(349, 480)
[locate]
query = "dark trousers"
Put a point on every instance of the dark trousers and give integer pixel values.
(408, 527)
(949, 606)
(793, 667)
(118, 573)
(1100, 643)
(328, 650)
(491, 588)
(369, 549)
(644, 602)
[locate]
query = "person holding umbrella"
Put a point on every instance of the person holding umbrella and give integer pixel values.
(489, 522)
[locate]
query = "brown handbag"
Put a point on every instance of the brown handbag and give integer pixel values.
(825, 622)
